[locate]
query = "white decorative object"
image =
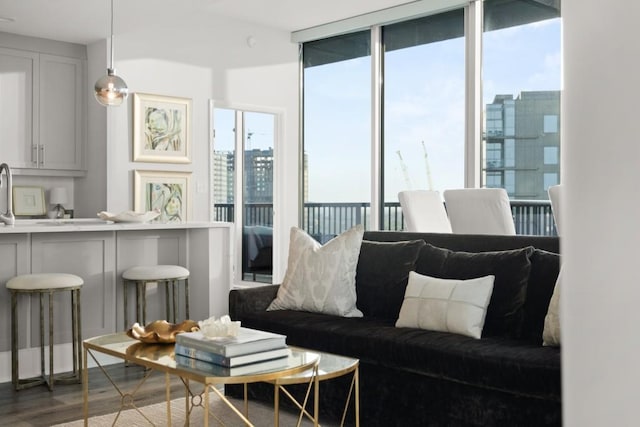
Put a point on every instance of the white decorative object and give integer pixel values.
(446, 305)
(129, 216)
(321, 279)
(223, 327)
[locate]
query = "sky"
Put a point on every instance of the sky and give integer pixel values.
(424, 102)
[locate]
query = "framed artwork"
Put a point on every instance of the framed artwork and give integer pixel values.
(167, 192)
(28, 201)
(161, 129)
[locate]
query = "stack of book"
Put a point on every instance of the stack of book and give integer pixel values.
(250, 351)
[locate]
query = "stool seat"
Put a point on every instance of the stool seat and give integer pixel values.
(155, 272)
(32, 282)
(168, 275)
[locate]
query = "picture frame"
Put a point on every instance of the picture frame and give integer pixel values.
(28, 201)
(161, 129)
(168, 192)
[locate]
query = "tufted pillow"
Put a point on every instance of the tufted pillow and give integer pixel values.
(321, 279)
(511, 270)
(382, 274)
(446, 305)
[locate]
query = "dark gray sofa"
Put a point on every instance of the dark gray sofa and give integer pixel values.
(414, 377)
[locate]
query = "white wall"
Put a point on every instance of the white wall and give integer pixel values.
(201, 61)
(601, 152)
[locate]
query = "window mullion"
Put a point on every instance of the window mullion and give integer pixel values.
(377, 170)
(473, 93)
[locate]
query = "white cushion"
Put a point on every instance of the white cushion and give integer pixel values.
(30, 282)
(155, 272)
(551, 331)
(321, 279)
(424, 211)
(479, 211)
(446, 305)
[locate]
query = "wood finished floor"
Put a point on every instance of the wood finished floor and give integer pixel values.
(38, 406)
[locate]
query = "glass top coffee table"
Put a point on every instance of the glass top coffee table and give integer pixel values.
(161, 358)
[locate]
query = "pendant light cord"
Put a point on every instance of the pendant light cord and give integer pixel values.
(111, 66)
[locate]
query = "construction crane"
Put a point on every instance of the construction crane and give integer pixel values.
(405, 172)
(426, 163)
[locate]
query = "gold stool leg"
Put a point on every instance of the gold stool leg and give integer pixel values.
(167, 304)
(14, 339)
(51, 380)
(125, 291)
(174, 290)
(186, 297)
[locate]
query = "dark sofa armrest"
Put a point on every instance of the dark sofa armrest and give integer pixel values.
(249, 300)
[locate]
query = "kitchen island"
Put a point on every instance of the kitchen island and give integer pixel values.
(99, 251)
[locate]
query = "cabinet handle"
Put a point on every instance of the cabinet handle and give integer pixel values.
(34, 154)
(42, 155)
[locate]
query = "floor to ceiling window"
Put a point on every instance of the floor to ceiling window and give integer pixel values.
(521, 95)
(422, 91)
(337, 134)
(424, 80)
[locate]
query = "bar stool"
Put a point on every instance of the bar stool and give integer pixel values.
(46, 284)
(168, 275)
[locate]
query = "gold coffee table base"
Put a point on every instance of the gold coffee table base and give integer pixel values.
(160, 358)
(330, 366)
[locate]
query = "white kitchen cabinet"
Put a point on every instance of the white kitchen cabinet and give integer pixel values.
(61, 113)
(41, 111)
(18, 99)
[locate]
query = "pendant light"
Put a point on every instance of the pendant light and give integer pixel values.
(111, 89)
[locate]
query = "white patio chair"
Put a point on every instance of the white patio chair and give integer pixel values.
(479, 211)
(424, 211)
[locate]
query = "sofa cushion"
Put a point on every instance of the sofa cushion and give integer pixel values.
(551, 332)
(446, 305)
(382, 274)
(321, 278)
(544, 272)
(511, 269)
(497, 363)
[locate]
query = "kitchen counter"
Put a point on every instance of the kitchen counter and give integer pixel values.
(91, 224)
(100, 251)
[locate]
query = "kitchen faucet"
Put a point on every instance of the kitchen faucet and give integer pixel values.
(7, 217)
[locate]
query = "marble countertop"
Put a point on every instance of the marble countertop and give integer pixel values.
(91, 224)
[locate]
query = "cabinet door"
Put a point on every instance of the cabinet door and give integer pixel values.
(90, 255)
(61, 113)
(18, 96)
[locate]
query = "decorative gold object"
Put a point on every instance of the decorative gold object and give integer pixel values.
(161, 331)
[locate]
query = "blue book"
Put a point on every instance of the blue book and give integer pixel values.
(218, 359)
(224, 371)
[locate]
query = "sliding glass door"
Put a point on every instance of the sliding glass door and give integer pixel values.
(249, 176)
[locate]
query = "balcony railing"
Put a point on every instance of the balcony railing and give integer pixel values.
(325, 220)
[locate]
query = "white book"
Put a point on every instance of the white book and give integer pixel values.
(245, 342)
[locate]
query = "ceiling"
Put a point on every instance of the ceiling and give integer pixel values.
(86, 21)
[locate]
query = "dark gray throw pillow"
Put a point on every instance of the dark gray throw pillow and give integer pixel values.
(511, 269)
(382, 275)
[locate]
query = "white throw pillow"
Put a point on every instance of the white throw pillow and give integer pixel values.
(551, 331)
(321, 279)
(446, 305)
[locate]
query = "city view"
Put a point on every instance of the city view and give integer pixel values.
(423, 122)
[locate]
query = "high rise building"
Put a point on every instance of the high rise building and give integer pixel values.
(522, 144)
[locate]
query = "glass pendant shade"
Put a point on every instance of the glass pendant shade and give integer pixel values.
(111, 89)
